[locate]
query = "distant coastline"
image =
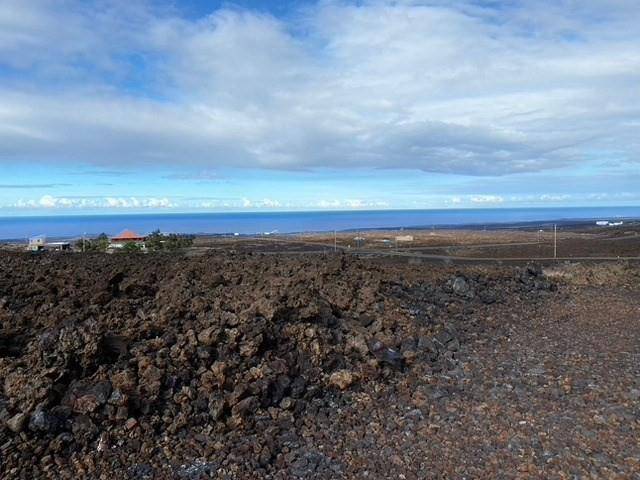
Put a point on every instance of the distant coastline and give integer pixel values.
(253, 223)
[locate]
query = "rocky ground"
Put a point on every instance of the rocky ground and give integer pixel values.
(310, 366)
(591, 246)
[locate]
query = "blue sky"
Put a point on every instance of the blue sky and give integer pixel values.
(126, 106)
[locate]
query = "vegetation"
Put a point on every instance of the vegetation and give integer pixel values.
(131, 247)
(157, 241)
(98, 244)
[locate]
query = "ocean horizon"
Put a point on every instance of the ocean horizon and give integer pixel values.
(249, 223)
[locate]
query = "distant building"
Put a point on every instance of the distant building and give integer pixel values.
(127, 237)
(37, 244)
(404, 238)
(58, 246)
(605, 223)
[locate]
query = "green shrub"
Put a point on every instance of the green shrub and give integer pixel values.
(131, 247)
(98, 244)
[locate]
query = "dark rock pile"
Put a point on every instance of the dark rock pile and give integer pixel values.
(168, 367)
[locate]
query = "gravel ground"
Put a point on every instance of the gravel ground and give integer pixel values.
(594, 246)
(248, 366)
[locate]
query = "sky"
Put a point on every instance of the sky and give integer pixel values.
(194, 105)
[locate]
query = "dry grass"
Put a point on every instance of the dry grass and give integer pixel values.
(592, 274)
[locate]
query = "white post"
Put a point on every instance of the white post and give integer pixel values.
(555, 241)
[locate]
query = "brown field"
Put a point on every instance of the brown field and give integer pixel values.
(435, 245)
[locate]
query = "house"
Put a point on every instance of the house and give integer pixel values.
(126, 237)
(404, 238)
(37, 244)
(58, 246)
(605, 223)
(40, 244)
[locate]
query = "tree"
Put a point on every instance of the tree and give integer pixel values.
(176, 242)
(98, 244)
(155, 241)
(131, 247)
(101, 242)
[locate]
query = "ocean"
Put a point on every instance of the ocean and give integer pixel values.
(246, 223)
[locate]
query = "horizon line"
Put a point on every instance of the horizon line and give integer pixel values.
(270, 211)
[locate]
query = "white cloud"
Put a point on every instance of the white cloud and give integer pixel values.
(329, 204)
(207, 204)
(353, 203)
(454, 88)
(257, 204)
(47, 201)
(269, 203)
(554, 198)
(486, 199)
(158, 203)
(51, 202)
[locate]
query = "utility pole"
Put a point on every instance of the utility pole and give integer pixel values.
(335, 241)
(83, 236)
(555, 241)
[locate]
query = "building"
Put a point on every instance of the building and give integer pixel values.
(606, 223)
(404, 238)
(359, 241)
(40, 244)
(128, 237)
(37, 244)
(58, 246)
(125, 238)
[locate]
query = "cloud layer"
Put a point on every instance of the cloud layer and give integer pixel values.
(465, 89)
(95, 203)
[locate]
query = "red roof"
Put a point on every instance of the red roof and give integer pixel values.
(128, 235)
